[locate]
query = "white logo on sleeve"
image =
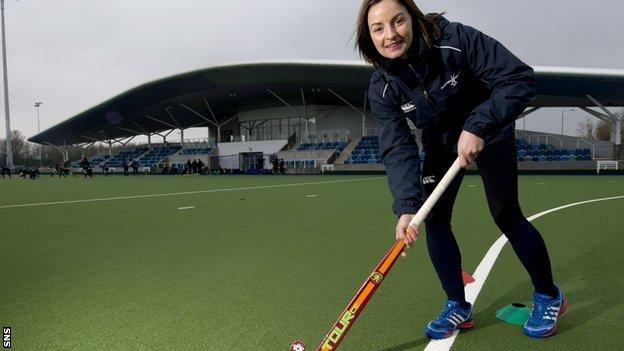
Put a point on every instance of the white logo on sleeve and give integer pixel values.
(452, 81)
(428, 180)
(408, 107)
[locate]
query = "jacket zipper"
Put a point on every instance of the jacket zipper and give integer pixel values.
(424, 91)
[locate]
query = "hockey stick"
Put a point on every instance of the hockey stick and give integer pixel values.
(353, 310)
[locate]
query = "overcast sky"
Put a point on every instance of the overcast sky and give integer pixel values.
(74, 54)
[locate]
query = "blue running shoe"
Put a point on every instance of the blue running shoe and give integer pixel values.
(545, 315)
(452, 318)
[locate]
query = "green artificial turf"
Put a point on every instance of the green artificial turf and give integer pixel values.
(254, 269)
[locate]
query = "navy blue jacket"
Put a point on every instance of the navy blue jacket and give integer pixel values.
(467, 81)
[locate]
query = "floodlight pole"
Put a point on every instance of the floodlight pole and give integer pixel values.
(563, 112)
(37, 106)
(7, 119)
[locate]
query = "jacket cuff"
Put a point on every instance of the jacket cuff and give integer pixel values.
(476, 128)
(401, 207)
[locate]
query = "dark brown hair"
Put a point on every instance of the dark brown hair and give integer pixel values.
(422, 25)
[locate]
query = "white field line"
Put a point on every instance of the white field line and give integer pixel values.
(147, 196)
(484, 268)
(186, 208)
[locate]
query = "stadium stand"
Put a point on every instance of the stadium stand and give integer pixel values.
(126, 155)
(94, 161)
(336, 145)
(367, 152)
(157, 154)
(547, 152)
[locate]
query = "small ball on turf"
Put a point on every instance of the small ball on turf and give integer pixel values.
(297, 345)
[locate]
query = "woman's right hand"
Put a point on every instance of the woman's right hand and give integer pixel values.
(406, 232)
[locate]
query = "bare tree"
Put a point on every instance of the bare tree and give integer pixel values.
(603, 130)
(586, 129)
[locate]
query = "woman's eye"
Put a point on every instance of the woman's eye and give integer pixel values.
(377, 30)
(399, 21)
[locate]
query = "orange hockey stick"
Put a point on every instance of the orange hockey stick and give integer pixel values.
(353, 310)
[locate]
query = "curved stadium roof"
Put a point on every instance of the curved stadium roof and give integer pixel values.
(186, 100)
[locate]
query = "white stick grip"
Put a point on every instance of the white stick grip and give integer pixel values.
(435, 195)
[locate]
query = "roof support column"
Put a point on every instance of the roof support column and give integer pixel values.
(305, 114)
(609, 117)
(165, 135)
(86, 147)
(618, 131)
(362, 112)
(216, 122)
(161, 122)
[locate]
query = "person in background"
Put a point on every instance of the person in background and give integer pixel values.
(275, 163)
(6, 171)
(135, 167)
(124, 164)
(86, 167)
(200, 166)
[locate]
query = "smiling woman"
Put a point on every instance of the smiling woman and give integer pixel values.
(464, 90)
(391, 29)
(390, 23)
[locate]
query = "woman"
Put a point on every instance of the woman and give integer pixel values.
(464, 90)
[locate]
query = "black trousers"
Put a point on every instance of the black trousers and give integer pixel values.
(498, 168)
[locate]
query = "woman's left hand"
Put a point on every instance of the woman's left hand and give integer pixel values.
(468, 147)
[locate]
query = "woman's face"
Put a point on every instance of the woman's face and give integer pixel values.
(390, 27)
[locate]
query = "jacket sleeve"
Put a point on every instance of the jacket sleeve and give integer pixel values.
(399, 153)
(512, 83)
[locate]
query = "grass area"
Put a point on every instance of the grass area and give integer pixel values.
(254, 269)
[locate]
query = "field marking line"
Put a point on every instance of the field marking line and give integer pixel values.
(51, 203)
(186, 208)
(484, 268)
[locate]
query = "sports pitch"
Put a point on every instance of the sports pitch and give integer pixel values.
(254, 262)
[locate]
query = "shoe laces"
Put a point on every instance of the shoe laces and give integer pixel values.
(542, 309)
(448, 308)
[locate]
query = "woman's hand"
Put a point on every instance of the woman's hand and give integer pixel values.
(468, 147)
(406, 232)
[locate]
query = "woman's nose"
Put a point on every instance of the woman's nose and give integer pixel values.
(391, 33)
